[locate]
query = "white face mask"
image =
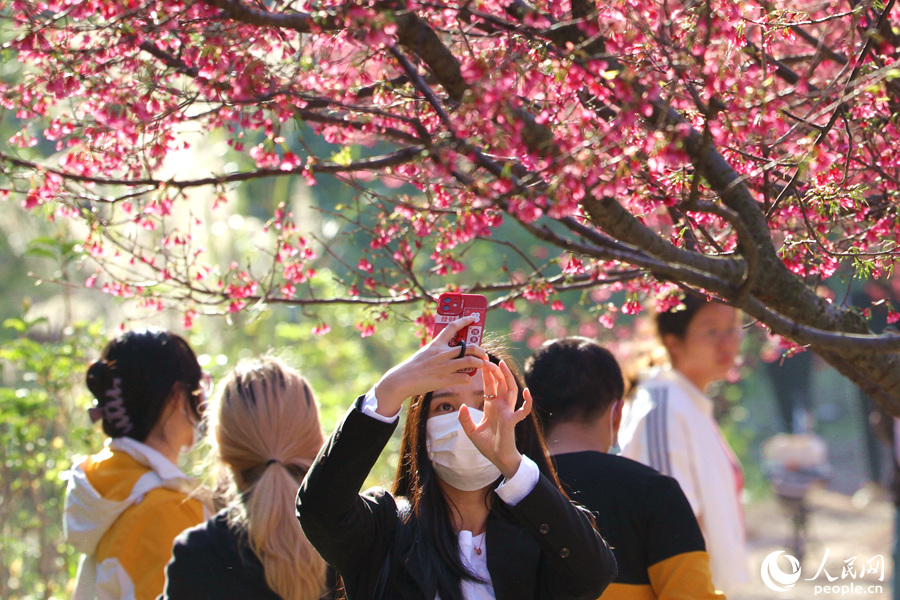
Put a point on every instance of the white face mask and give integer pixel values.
(455, 458)
(198, 426)
(613, 438)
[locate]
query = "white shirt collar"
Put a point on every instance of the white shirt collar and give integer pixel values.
(148, 457)
(701, 400)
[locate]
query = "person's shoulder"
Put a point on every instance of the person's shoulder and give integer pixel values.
(113, 474)
(664, 484)
(638, 475)
(600, 467)
(663, 390)
(210, 541)
(641, 481)
(160, 515)
(658, 486)
(665, 497)
(172, 503)
(603, 461)
(675, 530)
(632, 468)
(204, 534)
(213, 560)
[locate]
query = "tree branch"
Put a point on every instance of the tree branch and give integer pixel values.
(420, 39)
(298, 21)
(367, 164)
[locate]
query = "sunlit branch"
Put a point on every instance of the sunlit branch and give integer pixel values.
(324, 167)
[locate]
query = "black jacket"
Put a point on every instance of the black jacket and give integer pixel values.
(547, 549)
(212, 561)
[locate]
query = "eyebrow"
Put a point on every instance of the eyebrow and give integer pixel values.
(436, 395)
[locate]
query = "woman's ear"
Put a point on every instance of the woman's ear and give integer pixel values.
(178, 399)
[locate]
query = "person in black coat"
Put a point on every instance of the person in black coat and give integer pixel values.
(264, 428)
(476, 511)
(643, 515)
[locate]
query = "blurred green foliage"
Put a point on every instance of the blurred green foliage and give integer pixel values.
(339, 366)
(42, 427)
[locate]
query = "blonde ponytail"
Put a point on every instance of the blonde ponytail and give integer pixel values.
(264, 426)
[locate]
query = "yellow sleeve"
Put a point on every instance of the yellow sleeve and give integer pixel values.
(141, 539)
(684, 576)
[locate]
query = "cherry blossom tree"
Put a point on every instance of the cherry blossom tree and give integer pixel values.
(744, 149)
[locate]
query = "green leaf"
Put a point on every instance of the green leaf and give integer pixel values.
(344, 156)
(41, 252)
(17, 324)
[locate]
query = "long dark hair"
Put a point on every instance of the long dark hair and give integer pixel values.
(435, 541)
(134, 377)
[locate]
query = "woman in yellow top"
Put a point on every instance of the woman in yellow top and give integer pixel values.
(126, 504)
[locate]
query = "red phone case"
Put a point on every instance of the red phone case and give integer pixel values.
(453, 306)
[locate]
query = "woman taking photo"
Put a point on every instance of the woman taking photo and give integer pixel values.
(476, 510)
(670, 426)
(264, 430)
(126, 504)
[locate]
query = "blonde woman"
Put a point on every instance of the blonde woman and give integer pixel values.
(264, 429)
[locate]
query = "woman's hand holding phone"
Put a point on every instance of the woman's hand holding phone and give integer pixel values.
(435, 365)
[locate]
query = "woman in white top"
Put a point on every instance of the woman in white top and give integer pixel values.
(126, 504)
(670, 426)
(476, 511)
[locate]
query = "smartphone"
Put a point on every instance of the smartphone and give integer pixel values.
(452, 306)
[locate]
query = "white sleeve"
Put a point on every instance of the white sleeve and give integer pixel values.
(370, 407)
(512, 491)
(678, 459)
(723, 518)
(113, 582)
(897, 440)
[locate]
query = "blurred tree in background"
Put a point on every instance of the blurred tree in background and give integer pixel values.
(41, 430)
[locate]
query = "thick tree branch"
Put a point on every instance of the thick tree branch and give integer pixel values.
(420, 39)
(660, 268)
(297, 21)
(176, 64)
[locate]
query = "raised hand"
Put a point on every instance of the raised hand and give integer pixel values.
(434, 366)
(495, 436)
